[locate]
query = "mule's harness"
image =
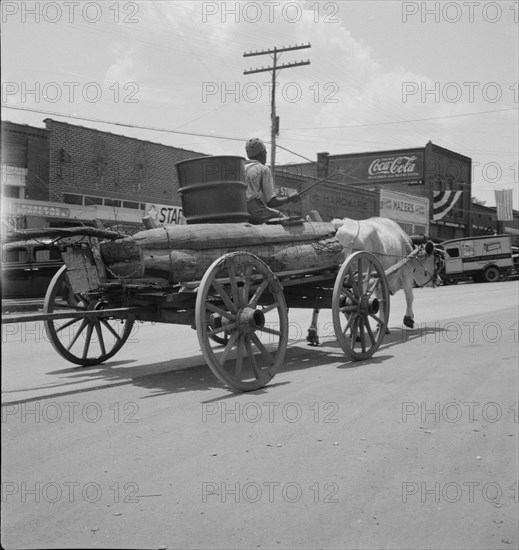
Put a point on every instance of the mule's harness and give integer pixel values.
(413, 255)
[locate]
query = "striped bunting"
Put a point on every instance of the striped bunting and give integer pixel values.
(443, 201)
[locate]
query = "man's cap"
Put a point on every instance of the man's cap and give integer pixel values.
(254, 147)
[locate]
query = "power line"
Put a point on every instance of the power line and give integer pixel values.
(123, 124)
(402, 121)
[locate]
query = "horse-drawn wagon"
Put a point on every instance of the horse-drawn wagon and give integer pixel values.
(233, 282)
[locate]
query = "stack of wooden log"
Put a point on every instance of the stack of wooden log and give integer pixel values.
(179, 253)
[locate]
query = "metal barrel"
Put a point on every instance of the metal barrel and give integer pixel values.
(213, 189)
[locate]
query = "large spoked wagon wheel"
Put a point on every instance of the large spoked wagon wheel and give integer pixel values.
(360, 305)
(87, 341)
(241, 302)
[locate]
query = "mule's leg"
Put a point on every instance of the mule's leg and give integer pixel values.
(409, 315)
(378, 295)
(312, 337)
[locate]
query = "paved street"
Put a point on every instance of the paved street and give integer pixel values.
(415, 448)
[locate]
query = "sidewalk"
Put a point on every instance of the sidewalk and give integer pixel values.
(21, 305)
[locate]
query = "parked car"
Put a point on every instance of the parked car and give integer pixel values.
(28, 267)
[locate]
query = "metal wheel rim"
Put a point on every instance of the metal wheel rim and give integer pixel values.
(356, 286)
(242, 289)
(97, 339)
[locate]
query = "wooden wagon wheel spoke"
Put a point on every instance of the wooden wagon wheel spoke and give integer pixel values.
(220, 311)
(225, 297)
(82, 326)
(270, 307)
(353, 282)
(360, 295)
(367, 277)
(360, 276)
(362, 336)
(350, 295)
(375, 285)
(252, 359)
(236, 297)
(110, 328)
(99, 333)
(348, 324)
(268, 330)
(354, 330)
(66, 325)
(227, 350)
(216, 331)
(257, 335)
(247, 281)
(88, 338)
(259, 291)
(262, 348)
(370, 332)
(67, 342)
(239, 356)
(377, 319)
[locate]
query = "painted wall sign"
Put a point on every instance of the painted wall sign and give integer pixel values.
(410, 211)
(165, 214)
(382, 168)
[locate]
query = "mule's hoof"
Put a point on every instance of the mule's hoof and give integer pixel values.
(408, 322)
(312, 338)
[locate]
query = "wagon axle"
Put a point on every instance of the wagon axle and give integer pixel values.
(369, 305)
(250, 319)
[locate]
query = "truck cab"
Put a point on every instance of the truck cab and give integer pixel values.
(484, 259)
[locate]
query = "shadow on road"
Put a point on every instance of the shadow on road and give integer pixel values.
(192, 374)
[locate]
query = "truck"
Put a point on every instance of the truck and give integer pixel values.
(484, 259)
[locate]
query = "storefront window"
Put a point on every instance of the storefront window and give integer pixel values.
(93, 200)
(69, 198)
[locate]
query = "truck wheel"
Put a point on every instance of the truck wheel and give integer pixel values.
(491, 274)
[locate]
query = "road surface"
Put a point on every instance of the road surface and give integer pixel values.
(414, 448)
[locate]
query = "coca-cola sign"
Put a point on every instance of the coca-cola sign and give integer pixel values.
(399, 167)
(392, 166)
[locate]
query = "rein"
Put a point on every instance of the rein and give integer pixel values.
(402, 262)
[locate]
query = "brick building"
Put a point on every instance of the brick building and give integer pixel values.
(484, 222)
(96, 164)
(25, 162)
(66, 174)
(441, 176)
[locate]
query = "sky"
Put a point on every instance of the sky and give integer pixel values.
(382, 75)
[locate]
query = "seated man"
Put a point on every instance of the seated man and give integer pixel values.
(260, 188)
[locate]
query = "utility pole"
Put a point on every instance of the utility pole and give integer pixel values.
(274, 128)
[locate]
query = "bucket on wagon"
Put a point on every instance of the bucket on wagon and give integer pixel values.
(213, 189)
